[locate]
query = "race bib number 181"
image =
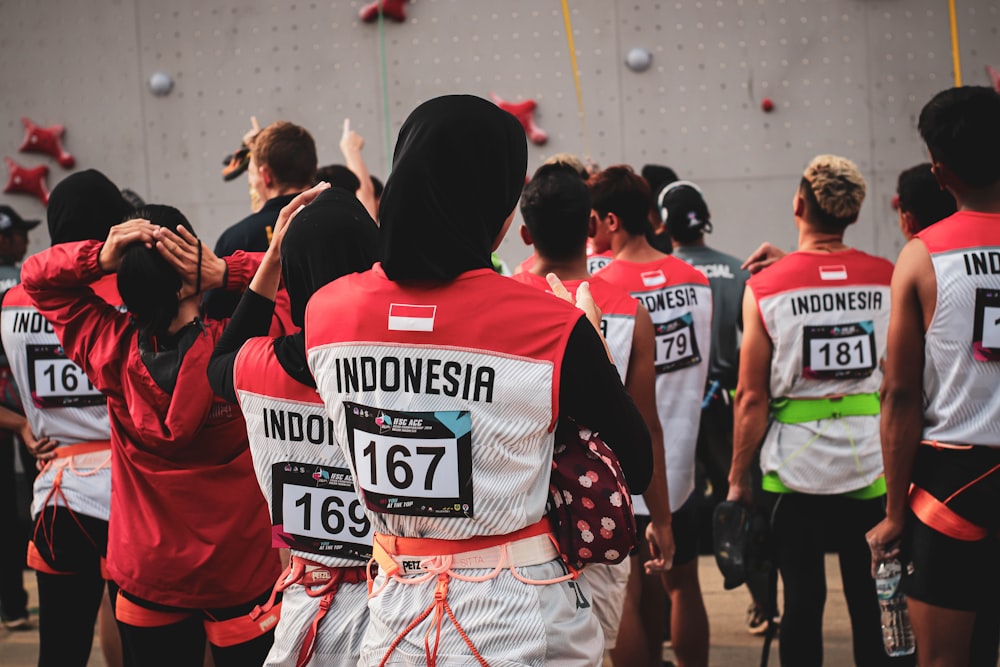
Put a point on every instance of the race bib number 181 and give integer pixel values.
(413, 463)
(838, 351)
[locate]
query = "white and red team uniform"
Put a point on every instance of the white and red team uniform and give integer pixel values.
(451, 446)
(828, 320)
(679, 302)
(60, 403)
(314, 510)
(618, 310)
(955, 480)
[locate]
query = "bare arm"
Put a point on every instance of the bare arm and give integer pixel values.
(351, 144)
(750, 413)
(764, 256)
(913, 283)
(640, 382)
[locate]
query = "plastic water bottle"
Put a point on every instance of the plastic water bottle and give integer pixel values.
(897, 635)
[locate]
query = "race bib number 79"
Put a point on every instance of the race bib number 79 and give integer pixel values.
(676, 345)
(413, 463)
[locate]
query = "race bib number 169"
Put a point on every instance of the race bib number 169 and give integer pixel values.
(413, 463)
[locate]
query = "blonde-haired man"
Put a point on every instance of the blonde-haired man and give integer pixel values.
(815, 326)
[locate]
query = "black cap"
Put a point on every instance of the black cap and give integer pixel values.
(9, 219)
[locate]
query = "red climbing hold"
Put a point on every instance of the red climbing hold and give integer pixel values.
(45, 140)
(27, 181)
(393, 9)
(524, 111)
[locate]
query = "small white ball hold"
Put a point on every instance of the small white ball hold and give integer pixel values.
(161, 83)
(638, 59)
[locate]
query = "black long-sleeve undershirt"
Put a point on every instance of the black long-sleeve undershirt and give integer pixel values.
(590, 390)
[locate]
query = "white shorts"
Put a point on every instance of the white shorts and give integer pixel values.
(511, 624)
(338, 641)
(607, 585)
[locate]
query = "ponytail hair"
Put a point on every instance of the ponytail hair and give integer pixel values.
(147, 284)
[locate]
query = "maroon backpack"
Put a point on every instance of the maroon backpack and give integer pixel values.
(590, 507)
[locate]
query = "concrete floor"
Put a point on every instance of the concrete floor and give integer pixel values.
(731, 645)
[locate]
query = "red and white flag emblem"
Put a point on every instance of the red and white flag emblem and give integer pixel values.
(408, 317)
(838, 272)
(653, 278)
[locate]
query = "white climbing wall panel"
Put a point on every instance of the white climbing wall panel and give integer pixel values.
(845, 76)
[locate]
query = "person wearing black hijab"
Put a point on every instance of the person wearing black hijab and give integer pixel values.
(445, 383)
(330, 237)
(71, 535)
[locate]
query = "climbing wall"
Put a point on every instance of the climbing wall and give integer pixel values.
(844, 76)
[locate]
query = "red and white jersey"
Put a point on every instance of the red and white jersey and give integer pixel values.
(59, 401)
(827, 315)
(962, 343)
(679, 302)
(301, 469)
(447, 419)
(618, 310)
(598, 261)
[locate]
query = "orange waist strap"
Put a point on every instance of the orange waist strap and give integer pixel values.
(429, 546)
(66, 451)
(942, 518)
(130, 613)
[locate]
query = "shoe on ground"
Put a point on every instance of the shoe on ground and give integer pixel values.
(756, 620)
(17, 624)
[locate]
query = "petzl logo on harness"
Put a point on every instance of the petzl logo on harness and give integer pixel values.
(408, 317)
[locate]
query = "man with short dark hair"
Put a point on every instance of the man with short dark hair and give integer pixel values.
(555, 206)
(282, 164)
(679, 301)
(921, 201)
(941, 423)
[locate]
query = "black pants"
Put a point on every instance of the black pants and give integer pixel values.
(14, 528)
(805, 527)
(68, 602)
(183, 644)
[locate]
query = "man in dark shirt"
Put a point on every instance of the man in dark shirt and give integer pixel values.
(282, 164)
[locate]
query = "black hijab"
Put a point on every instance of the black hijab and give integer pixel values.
(331, 237)
(457, 173)
(84, 206)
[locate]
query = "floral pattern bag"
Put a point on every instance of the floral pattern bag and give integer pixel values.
(590, 507)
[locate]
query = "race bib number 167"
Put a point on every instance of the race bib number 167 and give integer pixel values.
(413, 463)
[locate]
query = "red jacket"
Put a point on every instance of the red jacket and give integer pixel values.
(188, 527)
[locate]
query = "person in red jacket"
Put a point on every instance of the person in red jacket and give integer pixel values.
(188, 542)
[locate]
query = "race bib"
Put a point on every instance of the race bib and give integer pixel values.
(56, 382)
(412, 463)
(986, 326)
(314, 508)
(676, 345)
(838, 351)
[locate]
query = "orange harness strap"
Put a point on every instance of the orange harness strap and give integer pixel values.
(942, 518)
(241, 629)
(39, 564)
(384, 547)
(324, 581)
(130, 613)
(66, 451)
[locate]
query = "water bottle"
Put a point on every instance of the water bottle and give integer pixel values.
(897, 635)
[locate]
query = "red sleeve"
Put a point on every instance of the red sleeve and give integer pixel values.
(57, 281)
(240, 268)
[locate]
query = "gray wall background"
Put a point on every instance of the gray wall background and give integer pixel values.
(846, 76)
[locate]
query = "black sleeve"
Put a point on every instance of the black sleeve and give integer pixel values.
(591, 392)
(252, 318)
